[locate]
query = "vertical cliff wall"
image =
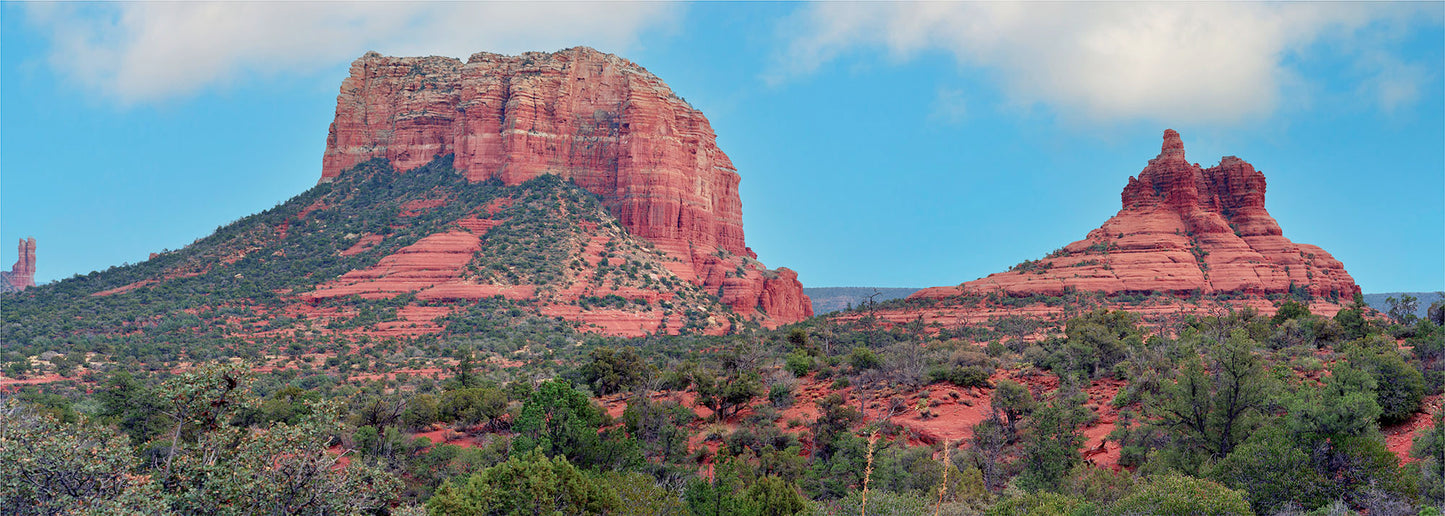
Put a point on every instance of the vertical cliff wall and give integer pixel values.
(602, 121)
(21, 275)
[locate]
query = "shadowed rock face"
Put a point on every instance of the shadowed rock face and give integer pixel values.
(21, 275)
(597, 119)
(1182, 229)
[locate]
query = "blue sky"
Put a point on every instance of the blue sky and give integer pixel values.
(879, 144)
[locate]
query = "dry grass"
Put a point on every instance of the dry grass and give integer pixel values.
(868, 472)
(943, 488)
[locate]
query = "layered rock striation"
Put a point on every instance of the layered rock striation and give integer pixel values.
(21, 275)
(599, 120)
(1182, 230)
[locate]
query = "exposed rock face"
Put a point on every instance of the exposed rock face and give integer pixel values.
(425, 266)
(1182, 229)
(22, 274)
(597, 119)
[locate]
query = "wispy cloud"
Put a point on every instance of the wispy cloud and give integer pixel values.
(950, 105)
(146, 51)
(1207, 62)
(1393, 83)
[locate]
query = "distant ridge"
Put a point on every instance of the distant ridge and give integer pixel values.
(1378, 301)
(832, 299)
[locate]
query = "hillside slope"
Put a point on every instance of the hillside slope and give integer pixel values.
(384, 254)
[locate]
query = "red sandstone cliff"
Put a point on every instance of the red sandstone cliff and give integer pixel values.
(602, 121)
(1182, 229)
(22, 274)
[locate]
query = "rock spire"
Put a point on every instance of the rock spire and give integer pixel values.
(1182, 229)
(21, 275)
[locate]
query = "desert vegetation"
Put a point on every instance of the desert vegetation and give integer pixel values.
(216, 379)
(1234, 414)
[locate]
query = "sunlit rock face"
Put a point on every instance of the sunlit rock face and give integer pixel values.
(1182, 229)
(599, 120)
(21, 275)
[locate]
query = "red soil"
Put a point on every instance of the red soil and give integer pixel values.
(478, 225)
(5, 381)
(363, 244)
(432, 372)
(413, 320)
(497, 205)
(125, 288)
(433, 260)
(414, 208)
(611, 321)
(449, 436)
(1097, 448)
(1399, 438)
(1152, 314)
(318, 205)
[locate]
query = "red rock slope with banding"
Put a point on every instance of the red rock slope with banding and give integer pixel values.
(21, 275)
(1182, 229)
(602, 121)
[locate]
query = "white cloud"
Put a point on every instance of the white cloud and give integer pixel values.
(1392, 82)
(950, 105)
(145, 51)
(1221, 62)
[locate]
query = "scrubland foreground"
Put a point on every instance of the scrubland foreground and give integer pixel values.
(1230, 414)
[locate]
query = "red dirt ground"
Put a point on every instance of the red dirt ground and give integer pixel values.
(449, 436)
(1400, 437)
(6, 381)
(956, 410)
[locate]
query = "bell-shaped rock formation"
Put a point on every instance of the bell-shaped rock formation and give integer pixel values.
(1183, 229)
(21, 275)
(596, 119)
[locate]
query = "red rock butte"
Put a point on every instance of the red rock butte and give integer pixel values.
(599, 120)
(21, 275)
(1182, 229)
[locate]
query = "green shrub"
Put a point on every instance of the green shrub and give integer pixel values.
(1273, 472)
(1041, 503)
(527, 484)
(1177, 495)
(1400, 388)
(880, 503)
(964, 376)
(798, 363)
(780, 395)
(863, 358)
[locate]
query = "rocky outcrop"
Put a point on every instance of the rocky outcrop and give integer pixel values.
(590, 272)
(21, 275)
(435, 261)
(599, 120)
(1183, 229)
(782, 297)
